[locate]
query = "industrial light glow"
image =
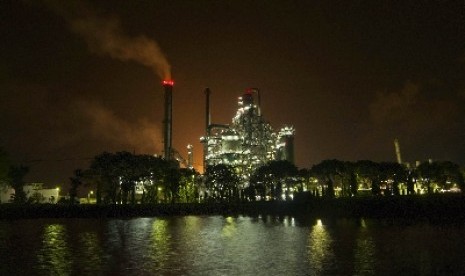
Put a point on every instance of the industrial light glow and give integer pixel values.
(168, 82)
(249, 141)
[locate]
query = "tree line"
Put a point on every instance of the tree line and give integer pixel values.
(126, 178)
(119, 177)
(12, 175)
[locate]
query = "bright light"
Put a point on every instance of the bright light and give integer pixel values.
(168, 82)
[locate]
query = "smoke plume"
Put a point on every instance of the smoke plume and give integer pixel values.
(141, 135)
(105, 36)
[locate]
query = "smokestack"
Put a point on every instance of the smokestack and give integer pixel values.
(397, 147)
(207, 111)
(190, 156)
(207, 127)
(168, 121)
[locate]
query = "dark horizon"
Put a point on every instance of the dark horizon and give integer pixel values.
(350, 77)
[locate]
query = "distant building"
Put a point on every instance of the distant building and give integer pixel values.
(6, 194)
(36, 193)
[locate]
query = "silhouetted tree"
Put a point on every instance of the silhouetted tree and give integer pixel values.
(4, 169)
(429, 173)
(305, 178)
(172, 183)
(222, 183)
(353, 184)
(284, 174)
(271, 179)
(75, 181)
(326, 173)
(394, 174)
(116, 175)
(188, 188)
(450, 175)
(411, 175)
(16, 175)
(369, 171)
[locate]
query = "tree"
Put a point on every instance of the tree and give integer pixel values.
(369, 173)
(411, 175)
(156, 168)
(429, 173)
(116, 176)
(222, 183)
(76, 181)
(172, 183)
(393, 174)
(451, 176)
(353, 184)
(274, 179)
(260, 184)
(326, 173)
(283, 173)
(305, 178)
(188, 188)
(16, 175)
(4, 169)
(102, 174)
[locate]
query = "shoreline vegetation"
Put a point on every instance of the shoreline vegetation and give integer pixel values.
(434, 208)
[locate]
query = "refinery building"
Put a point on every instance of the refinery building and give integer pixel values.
(249, 141)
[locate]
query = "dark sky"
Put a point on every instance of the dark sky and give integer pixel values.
(80, 78)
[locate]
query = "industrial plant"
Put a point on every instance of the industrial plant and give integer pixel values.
(245, 144)
(249, 141)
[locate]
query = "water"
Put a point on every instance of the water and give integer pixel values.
(216, 245)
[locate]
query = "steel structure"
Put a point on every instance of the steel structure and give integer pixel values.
(168, 120)
(249, 141)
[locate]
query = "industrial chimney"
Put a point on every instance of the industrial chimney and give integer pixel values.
(168, 121)
(207, 111)
(397, 147)
(190, 156)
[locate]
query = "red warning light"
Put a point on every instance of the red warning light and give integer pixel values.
(168, 82)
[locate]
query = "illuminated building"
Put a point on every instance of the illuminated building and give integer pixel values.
(249, 141)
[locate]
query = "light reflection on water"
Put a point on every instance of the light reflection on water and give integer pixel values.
(229, 227)
(319, 247)
(54, 255)
(90, 253)
(364, 251)
(215, 245)
(160, 243)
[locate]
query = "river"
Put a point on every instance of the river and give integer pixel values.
(217, 245)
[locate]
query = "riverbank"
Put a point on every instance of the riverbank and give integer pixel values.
(434, 207)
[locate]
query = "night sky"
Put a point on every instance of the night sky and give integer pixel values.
(80, 78)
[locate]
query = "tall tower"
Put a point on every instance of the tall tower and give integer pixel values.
(168, 120)
(397, 147)
(190, 156)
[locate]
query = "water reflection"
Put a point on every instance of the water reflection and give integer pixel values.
(319, 247)
(364, 251)
(54, 257)
(90, 253)
(229, 227)
(216, 245)
(160, 240)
